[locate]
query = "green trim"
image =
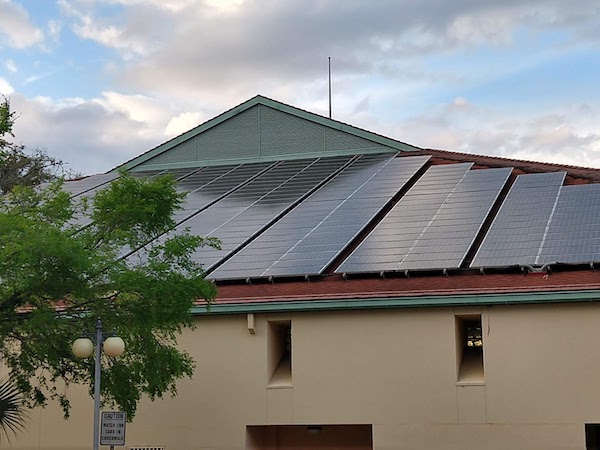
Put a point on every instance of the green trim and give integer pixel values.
(259, 100)
(402, 302)
(222, 162)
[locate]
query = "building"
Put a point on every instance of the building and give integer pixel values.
(373, 295)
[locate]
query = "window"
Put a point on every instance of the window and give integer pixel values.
(592, 436)
(469, 349)
(280, 353)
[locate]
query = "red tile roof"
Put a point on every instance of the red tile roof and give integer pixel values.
(335, 287)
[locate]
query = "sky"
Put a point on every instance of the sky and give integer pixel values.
(97, 82)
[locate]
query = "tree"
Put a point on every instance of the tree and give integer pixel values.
(12, 415)
(57, 280)
(17, 165)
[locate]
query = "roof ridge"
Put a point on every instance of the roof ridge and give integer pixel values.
(515, 160)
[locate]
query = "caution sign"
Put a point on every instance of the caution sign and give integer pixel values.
(112, 428)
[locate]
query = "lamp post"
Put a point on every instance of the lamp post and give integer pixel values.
(82, 348)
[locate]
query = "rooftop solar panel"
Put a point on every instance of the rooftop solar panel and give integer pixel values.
(307, 239)
(77, 187)
(83, 220)
(178, 174)
(518, 230)
(573, 234)
(446, 240)
(210, 184)
(401, 229)
(146, 173)
(241, 214)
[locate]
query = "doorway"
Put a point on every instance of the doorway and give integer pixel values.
(309, 437)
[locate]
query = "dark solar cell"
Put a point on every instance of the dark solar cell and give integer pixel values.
(308, 238)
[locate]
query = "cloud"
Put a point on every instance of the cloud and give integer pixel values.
(16, 30)
(95, 135)
(182, 123)
(33, 78)
(567, 136)
(54, 29)
(178, 62)
(5, 87)
(134, 33)
(224, 51)
(258, 43)
(82, 133)
(11, 66)
(168, 5)
(149, 114)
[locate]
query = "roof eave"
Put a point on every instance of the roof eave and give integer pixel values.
(571, 296)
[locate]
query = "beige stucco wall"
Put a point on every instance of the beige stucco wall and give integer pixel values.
(394, 369)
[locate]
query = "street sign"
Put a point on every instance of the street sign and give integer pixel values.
(112, 428)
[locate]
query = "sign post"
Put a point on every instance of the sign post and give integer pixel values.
(112, 428)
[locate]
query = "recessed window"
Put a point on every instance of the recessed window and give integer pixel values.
(469, 349)
(592, 436)
(280, 353)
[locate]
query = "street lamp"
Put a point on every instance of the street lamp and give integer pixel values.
(83, 348)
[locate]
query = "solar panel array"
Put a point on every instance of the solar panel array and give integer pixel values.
(308, 238)
(517, 233)
(238, 216)
(294, 218)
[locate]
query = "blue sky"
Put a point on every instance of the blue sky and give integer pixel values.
(97, 82)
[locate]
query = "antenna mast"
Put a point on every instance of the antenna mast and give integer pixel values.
(329, 58)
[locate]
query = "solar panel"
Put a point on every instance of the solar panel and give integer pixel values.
(208, 185)
(518, 230)
(77, 187)
(146, 173)
(83, 220)
(574, 232)
(308, 238)
(240, 215)
(176, 173)
(401, 229)
(445, 242)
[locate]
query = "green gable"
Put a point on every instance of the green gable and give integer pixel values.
(262, 130)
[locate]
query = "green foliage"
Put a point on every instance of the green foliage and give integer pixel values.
(7, 119)
(19, 167)
(58, 279)
(12, 413)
